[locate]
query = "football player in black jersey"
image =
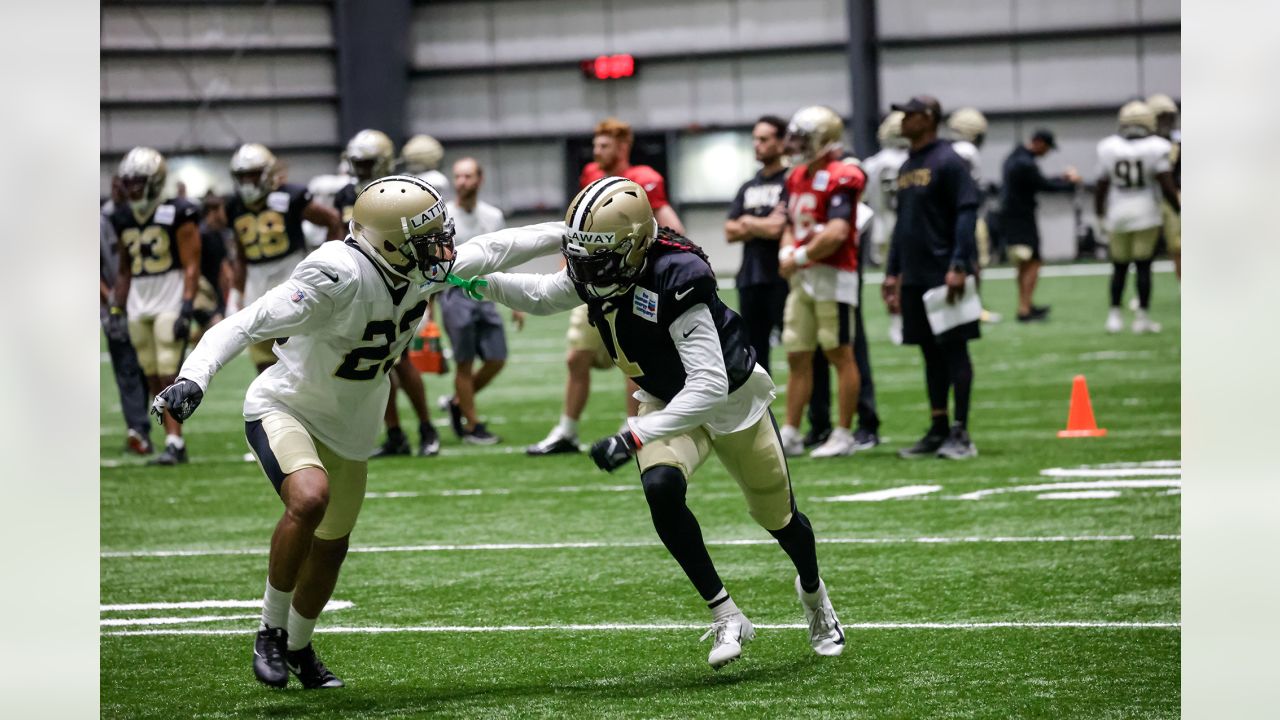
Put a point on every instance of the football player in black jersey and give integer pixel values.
(267, 216)
(154, 294)
(651, 295)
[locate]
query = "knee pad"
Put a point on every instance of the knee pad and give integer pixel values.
(664, 486)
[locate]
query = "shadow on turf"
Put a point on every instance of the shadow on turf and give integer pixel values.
(393, 701)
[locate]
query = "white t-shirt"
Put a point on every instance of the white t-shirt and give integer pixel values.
(881, 190)
(969, 153)
(484, 219)
(347, 323)
(1131, 166)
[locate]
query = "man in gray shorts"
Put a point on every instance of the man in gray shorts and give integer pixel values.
(474, 326)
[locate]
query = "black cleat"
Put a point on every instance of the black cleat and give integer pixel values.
(864, 439)
(1037, 314)
(429, 444)
(268, 657)
(815, 437)
(958, 445)
(304, 664)
(396, 444)
(926, 446)
(480, 435)
(449, 403)
(172, 455)
(554, 445)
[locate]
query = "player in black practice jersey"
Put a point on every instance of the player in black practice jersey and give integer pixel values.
(267, 216)
(651, 295)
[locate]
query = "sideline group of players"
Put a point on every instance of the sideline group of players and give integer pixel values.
(338, 320)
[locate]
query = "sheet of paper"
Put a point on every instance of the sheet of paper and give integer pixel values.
(944, 316)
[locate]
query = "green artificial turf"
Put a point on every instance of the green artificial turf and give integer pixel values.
(475, 540)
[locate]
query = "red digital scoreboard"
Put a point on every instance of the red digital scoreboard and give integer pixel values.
(608, 67)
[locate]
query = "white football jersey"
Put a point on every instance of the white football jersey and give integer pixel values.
(1131, 165)
(881, 189)
(969, 153)
(341, 324)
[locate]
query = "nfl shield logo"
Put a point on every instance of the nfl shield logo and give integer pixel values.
(297, 296)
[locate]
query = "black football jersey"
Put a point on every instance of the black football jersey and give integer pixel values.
(635, 325)
(345, 201)
(152, 244)
(274, 229)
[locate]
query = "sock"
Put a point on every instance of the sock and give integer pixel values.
(1143, 270)
(841, 432)
(1118, 273)
(300, 629)
(424, 430)
(961, 370)
(798, 543)
(568, 427)
(722, 606)
(939, 425)
(175, 440)
(275, 607)
(788, 433)
(811, 600)
(395, 435)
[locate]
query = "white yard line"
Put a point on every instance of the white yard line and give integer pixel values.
(177, 620)
(621, 627)
(1110, 472)
(882, 495)
(1080, 495)
(926, 540)
(1077, 485)
(207, 605)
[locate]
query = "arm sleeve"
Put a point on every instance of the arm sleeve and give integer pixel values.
(300, 305)
(532, 293)
(505, 249)
(706, 380)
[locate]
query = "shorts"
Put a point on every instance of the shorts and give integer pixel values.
(753, 457)
(259, 278)
(915, 321)
(283, 446)
(1134, 245)
(1022, 237)
(1172, 228)
(582, 336)
(474, 327)
(206, 301)
(159, 353)
(808, 324)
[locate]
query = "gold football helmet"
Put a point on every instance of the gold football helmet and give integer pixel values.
(890, 132)
(371, 155)
(254, 171)
(421, 153)
(1136, 115)
(611, 227)
(1162, 104)
(403, 223)
(813, 132)
(967, 124)
(142, 172)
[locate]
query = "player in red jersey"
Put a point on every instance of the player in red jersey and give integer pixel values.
(611, 148)
(819, 255)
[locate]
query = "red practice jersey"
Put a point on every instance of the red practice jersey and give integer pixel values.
(832, 190)
(643, 175)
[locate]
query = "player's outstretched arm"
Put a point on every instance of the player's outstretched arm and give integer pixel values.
(532, 292)
(505, 249)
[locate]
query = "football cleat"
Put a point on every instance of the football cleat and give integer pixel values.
(268, 657)
(395, 444)
(449, 403)
(826, 637)
(554, 444)
(792, 443)
(137, 443)
(839, 444)
(1142, 323)
(1115, 321)
(1036, 314)
(730, 634)
(429, 443)
(815, 437)
(304, 664)
(480, 435)
(926, 446)
(172, 455)
(958, 445)
(864, 439)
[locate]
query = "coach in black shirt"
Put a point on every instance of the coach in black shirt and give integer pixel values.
(933, 244)
(756, 219)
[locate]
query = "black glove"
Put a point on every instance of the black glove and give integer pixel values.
(117, 325)
(180, 399)
(614, 451)
(182, 326)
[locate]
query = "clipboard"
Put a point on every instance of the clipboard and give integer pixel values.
(943, 316)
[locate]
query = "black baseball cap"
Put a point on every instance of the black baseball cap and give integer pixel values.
(921, 104)
(1045, 136)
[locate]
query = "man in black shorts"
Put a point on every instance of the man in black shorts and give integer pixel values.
(933, 244)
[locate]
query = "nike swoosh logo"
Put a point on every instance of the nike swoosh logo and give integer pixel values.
(686, 335)
(680, 295)
(331, 277)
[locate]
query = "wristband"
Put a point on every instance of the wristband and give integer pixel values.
(116, 310)
(802, 257)
(786, 253)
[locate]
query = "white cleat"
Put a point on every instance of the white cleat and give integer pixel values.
(792, 442)
(730, 635)
(1142, 323)
(825, 634)
(1115, 323)
(840, 444)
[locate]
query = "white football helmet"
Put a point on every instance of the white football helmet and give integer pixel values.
(254, 171)
(370, 155)
(402, 222)
(142, 172)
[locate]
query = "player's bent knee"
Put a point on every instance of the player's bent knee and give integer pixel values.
(306, 495)
(664, 486)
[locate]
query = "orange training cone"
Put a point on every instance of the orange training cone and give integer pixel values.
(1080, 422)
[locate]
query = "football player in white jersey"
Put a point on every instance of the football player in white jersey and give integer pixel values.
(347, 311)
(1166, 111)
(882, 178)
(421, 156)
(1133, 173)
(968, 128)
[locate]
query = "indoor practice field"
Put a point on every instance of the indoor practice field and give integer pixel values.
(1040, 579)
